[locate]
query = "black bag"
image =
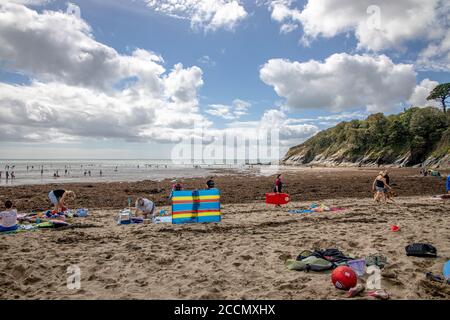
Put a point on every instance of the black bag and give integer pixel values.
(421, 250)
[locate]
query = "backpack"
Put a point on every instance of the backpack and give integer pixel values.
(310, 263)
(421, 250)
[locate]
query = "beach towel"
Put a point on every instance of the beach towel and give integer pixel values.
(162, 219)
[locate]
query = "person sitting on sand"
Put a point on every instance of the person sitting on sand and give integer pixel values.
(380, 187)
(147, 207)
(278, 184)
(58, 198)
(210, 183)
(175, 187)
(8, 218)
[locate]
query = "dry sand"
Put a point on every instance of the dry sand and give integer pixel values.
(240, 258)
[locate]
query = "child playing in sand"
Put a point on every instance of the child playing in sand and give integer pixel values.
(147, 207)
(8, 218)
(58, 198)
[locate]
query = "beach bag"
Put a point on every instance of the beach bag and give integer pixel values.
(421, 250)
(311, 263)
(333, 255)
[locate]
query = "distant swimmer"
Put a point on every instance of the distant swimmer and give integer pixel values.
(101, 173)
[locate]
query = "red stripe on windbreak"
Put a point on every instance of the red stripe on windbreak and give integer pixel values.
(194, 201)
(194, 211)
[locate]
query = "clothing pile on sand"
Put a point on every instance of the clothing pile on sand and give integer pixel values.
(347, 271)
(315, 207)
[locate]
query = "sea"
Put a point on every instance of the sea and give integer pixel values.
(29, 172)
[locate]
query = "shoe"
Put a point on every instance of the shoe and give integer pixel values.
(353, 292)
(380, 294)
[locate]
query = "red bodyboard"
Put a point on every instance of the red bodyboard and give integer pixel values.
(277, 198)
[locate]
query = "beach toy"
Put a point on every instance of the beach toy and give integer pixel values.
(82, 212)
(344, 278)
(395, 228)
(162, 212)
(359, 266)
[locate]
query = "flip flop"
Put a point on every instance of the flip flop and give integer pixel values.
(380, 294)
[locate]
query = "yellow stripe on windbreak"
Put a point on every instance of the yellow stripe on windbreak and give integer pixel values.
(195, 198)
(200, 214)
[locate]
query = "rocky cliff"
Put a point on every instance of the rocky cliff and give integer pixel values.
(411, 138)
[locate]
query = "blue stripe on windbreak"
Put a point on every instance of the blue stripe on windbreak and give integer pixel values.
(196, 206)
(209, 219)
(184, 220)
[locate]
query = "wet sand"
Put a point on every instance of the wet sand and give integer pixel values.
(303, 184)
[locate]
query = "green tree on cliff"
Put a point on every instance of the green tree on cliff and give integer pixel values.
(441, 93)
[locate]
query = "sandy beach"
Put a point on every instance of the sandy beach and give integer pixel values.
(242, 257)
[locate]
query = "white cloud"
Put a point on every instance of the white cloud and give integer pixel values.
(377, 24)
(421, 92)
(238, 109)
(73, 92)
(54, 46)
(341, 82)
(204, 14)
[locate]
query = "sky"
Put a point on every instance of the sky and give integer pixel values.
(129, 79)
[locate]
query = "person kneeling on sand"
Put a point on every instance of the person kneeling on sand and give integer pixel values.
(58, 199)
(8, 218)
(147, 207)
(380, 187)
